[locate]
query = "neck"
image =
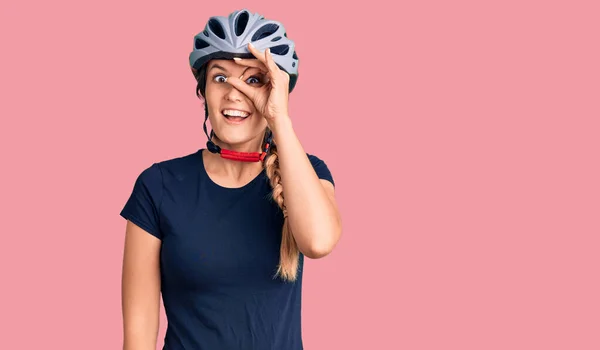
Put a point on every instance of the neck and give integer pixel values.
(230, 170)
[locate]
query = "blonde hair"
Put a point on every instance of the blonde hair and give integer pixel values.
(289, 253)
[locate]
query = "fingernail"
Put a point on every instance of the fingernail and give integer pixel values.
(241, 77)
(237, 58)
(251, 45)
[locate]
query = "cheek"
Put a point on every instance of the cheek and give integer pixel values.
(212, 97)
(259, 121)
(210, 92)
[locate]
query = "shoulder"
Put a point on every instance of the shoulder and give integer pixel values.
(320, 167)
(155, 175)
(181, 162)
(150, 177)
(314, 159)
(177, 168)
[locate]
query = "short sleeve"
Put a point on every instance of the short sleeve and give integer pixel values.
(142, 207)
(321, 168)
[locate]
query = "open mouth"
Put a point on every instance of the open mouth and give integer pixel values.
(235, 116)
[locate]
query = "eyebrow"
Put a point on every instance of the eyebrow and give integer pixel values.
(218, 67)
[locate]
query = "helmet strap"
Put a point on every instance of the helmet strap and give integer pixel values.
(234, 155)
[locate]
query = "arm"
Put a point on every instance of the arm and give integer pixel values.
(310, 202)
(140, 289)
(311, 206)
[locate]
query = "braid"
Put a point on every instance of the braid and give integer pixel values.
(289, 254)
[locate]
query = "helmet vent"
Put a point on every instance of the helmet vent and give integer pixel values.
(205, 33)
(265, 31)
(277, 38)
(200, 44)
(216, 28)
(240, 23)
(294, 55)
(280, 49)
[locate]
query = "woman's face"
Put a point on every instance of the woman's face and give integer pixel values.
(232, 115)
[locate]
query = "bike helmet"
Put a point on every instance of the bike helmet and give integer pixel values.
(228, 37)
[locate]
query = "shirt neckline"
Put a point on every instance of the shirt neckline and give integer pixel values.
(216, 185)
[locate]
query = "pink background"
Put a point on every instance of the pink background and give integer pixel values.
(463, 137)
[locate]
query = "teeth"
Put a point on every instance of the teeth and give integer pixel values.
(234, 113)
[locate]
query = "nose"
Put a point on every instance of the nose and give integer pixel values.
(234, 94)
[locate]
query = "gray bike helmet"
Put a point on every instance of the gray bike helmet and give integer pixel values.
(228, 37)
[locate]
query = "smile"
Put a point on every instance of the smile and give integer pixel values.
(234, 116)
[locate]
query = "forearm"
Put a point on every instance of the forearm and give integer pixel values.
(141, 313)
(140, 333)
(313, 217)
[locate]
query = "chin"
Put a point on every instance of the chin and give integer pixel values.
(237, 137)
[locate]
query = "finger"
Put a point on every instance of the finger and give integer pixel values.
(271, 62)
(266, 59)
(250, 91)
(251, 63)
(258, 54)
(274, 71)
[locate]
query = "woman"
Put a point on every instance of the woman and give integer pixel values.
(223, 232)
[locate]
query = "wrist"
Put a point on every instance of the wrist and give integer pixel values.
(280, 125)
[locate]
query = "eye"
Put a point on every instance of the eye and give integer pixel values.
(219, 78)
(255, 80)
